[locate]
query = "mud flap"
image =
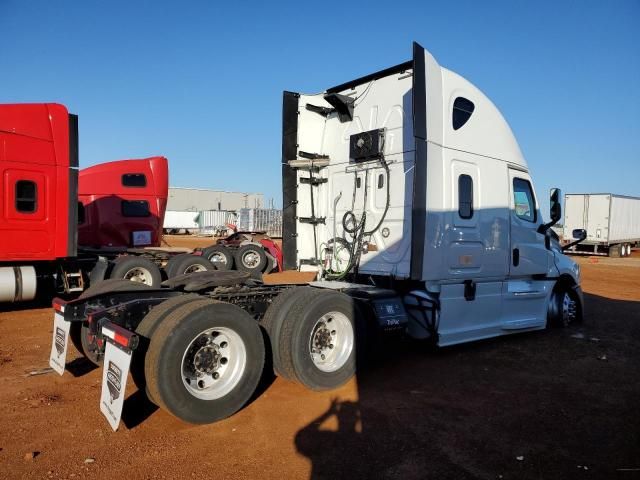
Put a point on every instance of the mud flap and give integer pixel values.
(60, 343)
(114, 381)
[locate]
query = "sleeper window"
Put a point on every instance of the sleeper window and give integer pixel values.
(26, 196)
(134, 180)
(465, 196)
(462, 110)
(135, 208)
(525, 205)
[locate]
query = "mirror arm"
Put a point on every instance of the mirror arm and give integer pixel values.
(569, 245)
(546, 226)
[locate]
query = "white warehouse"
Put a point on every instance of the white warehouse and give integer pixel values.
(197, 199)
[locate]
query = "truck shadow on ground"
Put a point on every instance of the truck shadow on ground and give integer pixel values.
(550, 404)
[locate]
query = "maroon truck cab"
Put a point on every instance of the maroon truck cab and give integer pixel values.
(39, 166)
(122, 203)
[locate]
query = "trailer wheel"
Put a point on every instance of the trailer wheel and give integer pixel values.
(322, 334)
(616, 251)
(563, 307)
(145, 331)
(251, 258)
(220, 256)
(272, 322)
(136, 269)
(186, 263)
(204, 361)
(80, 334)
(628, 249)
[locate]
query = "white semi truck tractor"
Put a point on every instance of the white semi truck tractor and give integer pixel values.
(406, 193)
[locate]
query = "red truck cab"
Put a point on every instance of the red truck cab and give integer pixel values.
(39, 167)
(122, 203)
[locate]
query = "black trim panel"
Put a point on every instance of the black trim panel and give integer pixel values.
(372, 76)
(72, 224)
(289, 179)
(419, 211)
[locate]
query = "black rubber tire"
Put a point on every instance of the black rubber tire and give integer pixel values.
(145, 331)
(554, 316)
(271, 264)
(294, 339)
(258, 250)
(125, 263)
(221, 250)
(79, 332)
(273, 320)
(172, 337)
(615, 251)
(180, 264)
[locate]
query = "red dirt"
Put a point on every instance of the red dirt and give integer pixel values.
(557, 402)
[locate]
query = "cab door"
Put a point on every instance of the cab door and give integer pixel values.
(529, 255)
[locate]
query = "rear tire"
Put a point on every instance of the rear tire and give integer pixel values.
(186, 263)
(251, 258)
(273, 321)
(145, 331)
(136, 269)
(320, 337)
(205, 338)
(220, 256)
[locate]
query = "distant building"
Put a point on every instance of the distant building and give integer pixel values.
(197, 199)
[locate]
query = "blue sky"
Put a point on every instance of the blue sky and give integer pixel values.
(201, 83)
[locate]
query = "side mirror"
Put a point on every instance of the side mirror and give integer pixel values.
(579, 234)
(555, 201)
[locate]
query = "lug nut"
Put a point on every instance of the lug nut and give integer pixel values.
(322, 356)
(331, 345)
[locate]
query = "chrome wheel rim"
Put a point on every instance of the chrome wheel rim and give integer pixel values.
(251, 259)
(139, 275)
(195, 268)
(569, 309)
(213, 363)
(218, 257)
(331, 342)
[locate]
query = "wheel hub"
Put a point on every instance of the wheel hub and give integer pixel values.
(207, 360)
(569, 309)
(331, 342)
(213, 363)
(251, 259)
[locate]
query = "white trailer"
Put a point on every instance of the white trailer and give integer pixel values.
(612, 223)
(406, 193)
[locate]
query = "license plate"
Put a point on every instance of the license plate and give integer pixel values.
(58, 357)
(115, 371)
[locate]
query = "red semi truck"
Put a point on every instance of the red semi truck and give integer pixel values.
(62, 229)
(111, 210)
(122, 203)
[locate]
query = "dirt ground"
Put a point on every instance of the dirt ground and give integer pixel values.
(549, 405)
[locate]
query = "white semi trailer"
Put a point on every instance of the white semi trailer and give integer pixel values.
(406, 193)
(612, 223)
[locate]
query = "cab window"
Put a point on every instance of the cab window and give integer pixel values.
(525, 205)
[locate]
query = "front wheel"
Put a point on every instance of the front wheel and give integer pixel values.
(204, 361)
(563, 307)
